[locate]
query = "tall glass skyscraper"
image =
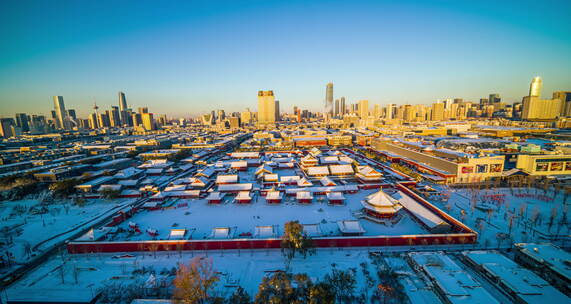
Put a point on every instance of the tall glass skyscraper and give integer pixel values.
(61, 113)
(329, 98)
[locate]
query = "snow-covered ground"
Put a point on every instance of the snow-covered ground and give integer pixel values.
(32, 231)
(246, 269)
(520, 207)
(200, 217)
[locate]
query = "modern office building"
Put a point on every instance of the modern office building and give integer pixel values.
(7, 127)
(363, 108)
(266, 107)
(565, 97)
(148, 121)
(437, 111)
(342, 107)
(61, 113)
(329, 98)
(277, 110)
(535, 87)
(22, 122)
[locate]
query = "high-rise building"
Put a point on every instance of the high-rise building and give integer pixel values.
(123, 110)
(342, 107)
(535, 87)
(22, 122)
(234, 122)
(61, 114)
(143, 110)
(535, 108)
(329, 98)
(376, 111)
(277, 110)
(494, 98)
(363, 108)
(390, 111)
(115, 117)
(122, 102)
(565, 97)
(148, 121)
(246, 117)
(336, 111)
(93, 121)
(437, 111)
(266, 107)
(7, 127)
(103, 120)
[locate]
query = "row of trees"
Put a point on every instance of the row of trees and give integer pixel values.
(195, 282)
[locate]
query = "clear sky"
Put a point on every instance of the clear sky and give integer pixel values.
(187, 57)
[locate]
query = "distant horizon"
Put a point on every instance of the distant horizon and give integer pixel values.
(184, 59)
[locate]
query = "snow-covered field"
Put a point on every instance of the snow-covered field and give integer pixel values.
(529, 211)
(25, 230)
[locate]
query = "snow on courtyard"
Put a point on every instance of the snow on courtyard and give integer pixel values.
(199, 218)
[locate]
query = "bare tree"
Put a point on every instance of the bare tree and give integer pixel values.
(194, 282)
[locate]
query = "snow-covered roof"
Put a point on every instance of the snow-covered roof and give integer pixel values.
(243, 195)
(326, 181)
(271, 177)
(264, 232)
(127, 173)
(317, 170)
(303, 182)
(341, 169)
(227, 179)
(215, 195)
(303, 195)
(273, 195)
(175, 188)
(335, 196)
(235, 187)
(291, 178)
(220, 233)
(350, 226)
(311, 230)
(245, 154)
(177, 234)
(368, 171)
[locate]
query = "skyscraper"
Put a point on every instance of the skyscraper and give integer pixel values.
(342, 107)
(123, 110)
(22, 122)
(336, 112)
(122, 102)
(565, 98)
(61, 114)
(329, 98)
(277, 110)
(148, 121)
(535, 87)
(266, 107)
(7, 127)
(363, 109)
(437, 111)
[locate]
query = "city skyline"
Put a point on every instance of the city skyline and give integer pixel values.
(440, 52)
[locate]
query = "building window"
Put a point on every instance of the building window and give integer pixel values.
(567, 166)
(558, 166)
(496, 168)
(481, 168)
(542, 167)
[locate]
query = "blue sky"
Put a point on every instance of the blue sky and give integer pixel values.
(188, 57)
